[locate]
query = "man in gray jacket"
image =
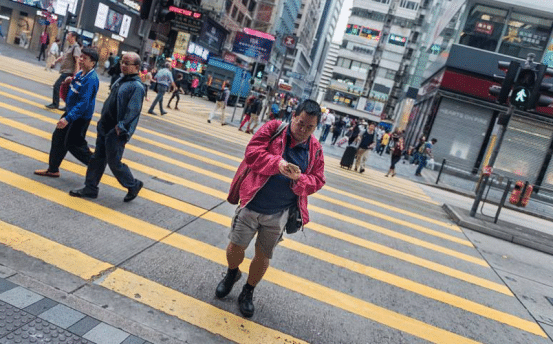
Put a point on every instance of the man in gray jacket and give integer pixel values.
(118, 122)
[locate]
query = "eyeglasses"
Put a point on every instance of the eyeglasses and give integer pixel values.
(129, 63)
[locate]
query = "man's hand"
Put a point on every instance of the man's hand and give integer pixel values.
(62, 123)
(286, 170)
(68, 79)
(117, 130)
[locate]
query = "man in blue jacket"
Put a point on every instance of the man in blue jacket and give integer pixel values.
(71, 129)
(119, 119)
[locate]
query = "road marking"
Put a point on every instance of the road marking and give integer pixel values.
(409, 258)
(225, 222)
(62, 257)
(386, 217)
(378, 229)
(449, 226)
(153, 294)
(380, 275)
(178, 163)
(300, 285)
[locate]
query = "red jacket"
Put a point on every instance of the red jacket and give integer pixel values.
(264, 163)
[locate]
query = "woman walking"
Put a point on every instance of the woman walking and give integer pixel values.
(396, 154)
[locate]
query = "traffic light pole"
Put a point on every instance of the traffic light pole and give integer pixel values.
(500, 129)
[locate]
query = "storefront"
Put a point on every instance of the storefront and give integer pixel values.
(455, 107)
(114, 26)
(22, 25)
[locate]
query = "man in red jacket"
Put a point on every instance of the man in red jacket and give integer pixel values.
(284, 170)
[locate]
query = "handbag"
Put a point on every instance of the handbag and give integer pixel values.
(294, 223)
(153, 87)
(243, 171)
(64, 89)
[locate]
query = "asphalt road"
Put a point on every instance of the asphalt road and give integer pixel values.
(379, 263)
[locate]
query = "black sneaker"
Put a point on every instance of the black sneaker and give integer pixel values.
(362, 170)
(83, 193)
(52, 106)
(245, 301)
(225, 286)
(133, 192)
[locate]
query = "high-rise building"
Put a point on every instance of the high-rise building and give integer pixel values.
(322, 45)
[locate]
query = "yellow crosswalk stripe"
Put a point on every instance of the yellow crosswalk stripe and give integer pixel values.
(281, 278)
(385, 277)
(214, 152)
(232, 168)
(153, 294)
(51, 252)
(225, 221)
(364, 224)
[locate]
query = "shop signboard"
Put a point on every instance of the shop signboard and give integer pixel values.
(397, 40)
(186, 20)
(253, 45)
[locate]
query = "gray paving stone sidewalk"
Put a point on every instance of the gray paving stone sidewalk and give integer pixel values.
(27, 317)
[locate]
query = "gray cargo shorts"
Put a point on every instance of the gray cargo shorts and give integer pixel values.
(269, 228)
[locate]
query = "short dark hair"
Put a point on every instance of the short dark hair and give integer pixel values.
(74, 34)
(90, 52)
(311, 107)
(434, 140)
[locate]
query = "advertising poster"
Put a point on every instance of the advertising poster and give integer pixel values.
(376, 103)
(253, 46)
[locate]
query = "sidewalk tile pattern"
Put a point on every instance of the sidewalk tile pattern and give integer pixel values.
(27, 317)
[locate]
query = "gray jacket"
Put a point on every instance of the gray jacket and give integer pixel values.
(122, 107)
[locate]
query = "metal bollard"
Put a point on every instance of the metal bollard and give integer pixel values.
(503, 199)
(440, 173)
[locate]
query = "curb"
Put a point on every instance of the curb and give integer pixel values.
(519, 235)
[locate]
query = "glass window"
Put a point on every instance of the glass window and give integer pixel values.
(410, 5)
(525, 34)
(355, 65)
(245, 3)
(342, 98)
(483, 27)
(240, 17)
(382, 1)
(234, 12)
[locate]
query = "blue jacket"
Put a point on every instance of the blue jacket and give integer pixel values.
(81, 97)
(122, 107)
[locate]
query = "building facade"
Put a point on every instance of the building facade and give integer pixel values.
(374, 60)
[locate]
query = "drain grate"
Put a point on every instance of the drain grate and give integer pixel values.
(163, 181)
(550, 299)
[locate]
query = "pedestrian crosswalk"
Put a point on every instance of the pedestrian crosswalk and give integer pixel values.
(368, 262)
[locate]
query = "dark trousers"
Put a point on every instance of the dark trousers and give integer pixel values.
(42, 51)
(109, 151)
(422, 164)
(57, 84)
(72, 139)
(324, 134)
(335, 136)
(175, 94)
(395, 159)
(161, 89)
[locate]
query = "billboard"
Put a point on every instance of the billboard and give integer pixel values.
(108, 19)
(253, 46)
(58, 7)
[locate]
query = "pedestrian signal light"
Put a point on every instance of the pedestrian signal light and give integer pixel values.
(165, 14)
(70, 19)
(542, 92)
(502, 92)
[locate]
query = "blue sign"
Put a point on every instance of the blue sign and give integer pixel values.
(253, 46)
